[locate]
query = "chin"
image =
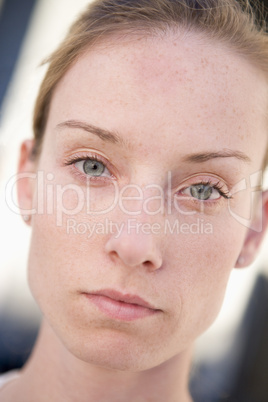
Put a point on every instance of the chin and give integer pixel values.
(116, 352)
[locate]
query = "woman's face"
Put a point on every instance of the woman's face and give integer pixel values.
(144, 188)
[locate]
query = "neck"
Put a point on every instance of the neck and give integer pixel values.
(71, 379)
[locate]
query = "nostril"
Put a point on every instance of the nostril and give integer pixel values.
(151, 265)
(147, 263)
(113, 254)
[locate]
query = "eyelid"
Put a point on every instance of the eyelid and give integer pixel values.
(80, 155)
(206, 178)
(85, 154)
(203, 177)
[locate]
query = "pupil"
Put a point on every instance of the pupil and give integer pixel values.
(93, 168)
(201, 192)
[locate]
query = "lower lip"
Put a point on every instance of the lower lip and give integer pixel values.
(119, 310)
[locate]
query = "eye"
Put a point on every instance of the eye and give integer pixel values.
(86, 165)
(202, 192)
(92, 167)
(205, 191)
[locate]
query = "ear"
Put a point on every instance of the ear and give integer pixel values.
(26, 180)
(255, 236)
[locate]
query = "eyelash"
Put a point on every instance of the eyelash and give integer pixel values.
(70, 161)
(217, 186)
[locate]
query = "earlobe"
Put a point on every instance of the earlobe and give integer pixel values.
(254, 236)
(26, 180)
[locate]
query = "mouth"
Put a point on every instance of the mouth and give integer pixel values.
(119, 306)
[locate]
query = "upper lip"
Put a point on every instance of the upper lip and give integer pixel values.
(123, 297)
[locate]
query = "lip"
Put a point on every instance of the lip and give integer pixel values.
(125, 307)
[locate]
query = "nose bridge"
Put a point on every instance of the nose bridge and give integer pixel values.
(138, 242)
(143, 221)
(145, 200)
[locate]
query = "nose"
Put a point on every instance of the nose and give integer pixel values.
(135, 247)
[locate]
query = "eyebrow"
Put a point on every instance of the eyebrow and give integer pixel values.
(114, 138)
(103, 134)
(207, 156)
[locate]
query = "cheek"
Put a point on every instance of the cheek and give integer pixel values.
(67, 247)
(60, 255)
(199, 272)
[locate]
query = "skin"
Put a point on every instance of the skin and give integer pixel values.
(166, 99)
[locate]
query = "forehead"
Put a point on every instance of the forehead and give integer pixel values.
(169, 88)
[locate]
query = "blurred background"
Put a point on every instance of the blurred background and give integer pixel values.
(231, 358)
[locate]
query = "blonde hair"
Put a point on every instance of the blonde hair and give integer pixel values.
(232, 22)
